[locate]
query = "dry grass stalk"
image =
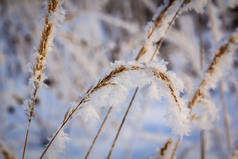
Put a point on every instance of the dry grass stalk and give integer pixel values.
(199, 93)
(202, 144)
(105, 81)
(175, 148)
(217, 58)
(234, 154)
(167, 144)
(212, 20)
(5, 153)
(225, 117)
(98, 132)
(169, 83)
(122, 123)
(202, 132)
(158, 22)
(159, 43)
(200, 41)
(66, 119)
(40, 64)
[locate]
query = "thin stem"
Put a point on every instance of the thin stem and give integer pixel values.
(26, 139)
(98, 132)
(225, 116)
(158, 23)
(175, 148)
(39, 65)
(202, 132)
(134, 136)
(67, 118)
(202, 144)
(122, 123)
(47, 147)
(166, 31)
(200, 41)
(165, 147)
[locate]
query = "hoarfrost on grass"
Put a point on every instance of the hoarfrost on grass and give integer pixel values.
(138, 74)
(58, 145)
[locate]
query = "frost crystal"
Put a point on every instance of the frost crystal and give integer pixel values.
(113, 88)
(197, 5)
(58, 145)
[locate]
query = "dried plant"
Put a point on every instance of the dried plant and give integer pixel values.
(180, 95)
(213, 73)
(38, 66)
(5, 153)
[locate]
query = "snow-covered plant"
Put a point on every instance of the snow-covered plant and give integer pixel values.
(216, 70)
(40, 59)
(133, 94)
(113, 89)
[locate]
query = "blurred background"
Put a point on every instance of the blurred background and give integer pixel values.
(92, 35)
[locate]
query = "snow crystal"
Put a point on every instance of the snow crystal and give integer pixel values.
(58, 145)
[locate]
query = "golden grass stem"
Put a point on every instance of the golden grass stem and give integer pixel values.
(157, 23)
(211, 69)
(68, 116)
(98, 133)
(39, 64)
(202, 144)
(218, 56)
(165, 147)
(122, 123)
(200, 41)
(166, 31)
(5, 153)
(26, 139)
(175, 148)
